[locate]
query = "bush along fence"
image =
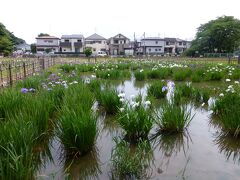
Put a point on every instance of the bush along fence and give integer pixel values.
(12, 71)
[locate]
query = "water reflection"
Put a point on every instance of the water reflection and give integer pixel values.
(86, 167)
(170, 145)
(229, 146)
(131, 161)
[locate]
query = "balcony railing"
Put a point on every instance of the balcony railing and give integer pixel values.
(78, 44)
(65, 44)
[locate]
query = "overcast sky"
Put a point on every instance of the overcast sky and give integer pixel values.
(158, 18)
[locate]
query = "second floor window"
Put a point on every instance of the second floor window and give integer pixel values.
(79, 40)
(66, 40)
(156, 42)
(180, 43)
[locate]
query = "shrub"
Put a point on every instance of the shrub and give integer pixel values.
(157, 89)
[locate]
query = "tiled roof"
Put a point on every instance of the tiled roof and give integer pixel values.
(73, 36)
(47, 37)
(95, 37)
(152, 38)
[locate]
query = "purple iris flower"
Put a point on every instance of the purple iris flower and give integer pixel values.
(164, 88)
(24, 90)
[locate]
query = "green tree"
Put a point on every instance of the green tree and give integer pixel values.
(221, 35)
(33, 48)
(88, 52)
(43, 34)
(8, 40)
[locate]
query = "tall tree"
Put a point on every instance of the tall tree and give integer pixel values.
(8, 40)
(43, 34)
(221, 35)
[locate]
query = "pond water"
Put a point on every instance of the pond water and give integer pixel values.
(200, 153)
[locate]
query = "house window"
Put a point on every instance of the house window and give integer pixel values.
(149, 50)
(94, 49)
(184, 43)
(66, 40)
(79, 40)
(167, 43)
(159, 49)
(115, 41)
(156, 42)
(156, 49)
(180, 43)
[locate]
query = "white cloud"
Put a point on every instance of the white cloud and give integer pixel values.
(175, 18)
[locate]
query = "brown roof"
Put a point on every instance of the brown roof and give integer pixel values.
(47, 37)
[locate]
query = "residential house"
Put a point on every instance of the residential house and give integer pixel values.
(118, 44)
(72, 44)
(24, 47)
(96, 43)
(47, 44)
(175, 45)
(152, 45)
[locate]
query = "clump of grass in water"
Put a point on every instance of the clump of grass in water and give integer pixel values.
(157, 89)
(227, 110)
(181, 74)
(173, 118)
(130, 163)
(77, 130)
(77, 127)
(140, 75)
(110, 100)
(17, 141)
(136, 120)
(67, 68)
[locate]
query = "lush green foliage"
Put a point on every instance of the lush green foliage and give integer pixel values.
(128, 163)
(136, 120)
(157, 89)
(108, 98)
(220, 35)
(227, 110)
(173, 118)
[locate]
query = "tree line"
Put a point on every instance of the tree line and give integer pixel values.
(7, 41)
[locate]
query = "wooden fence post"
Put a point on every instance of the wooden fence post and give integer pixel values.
(24, 70)
(10, 74)
(1, 75)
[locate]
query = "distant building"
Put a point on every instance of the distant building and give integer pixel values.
(24, 47)
(175, 45)
(72, 43)
(96, 43)
(118, 44)
(47, 44)
(152, 45)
